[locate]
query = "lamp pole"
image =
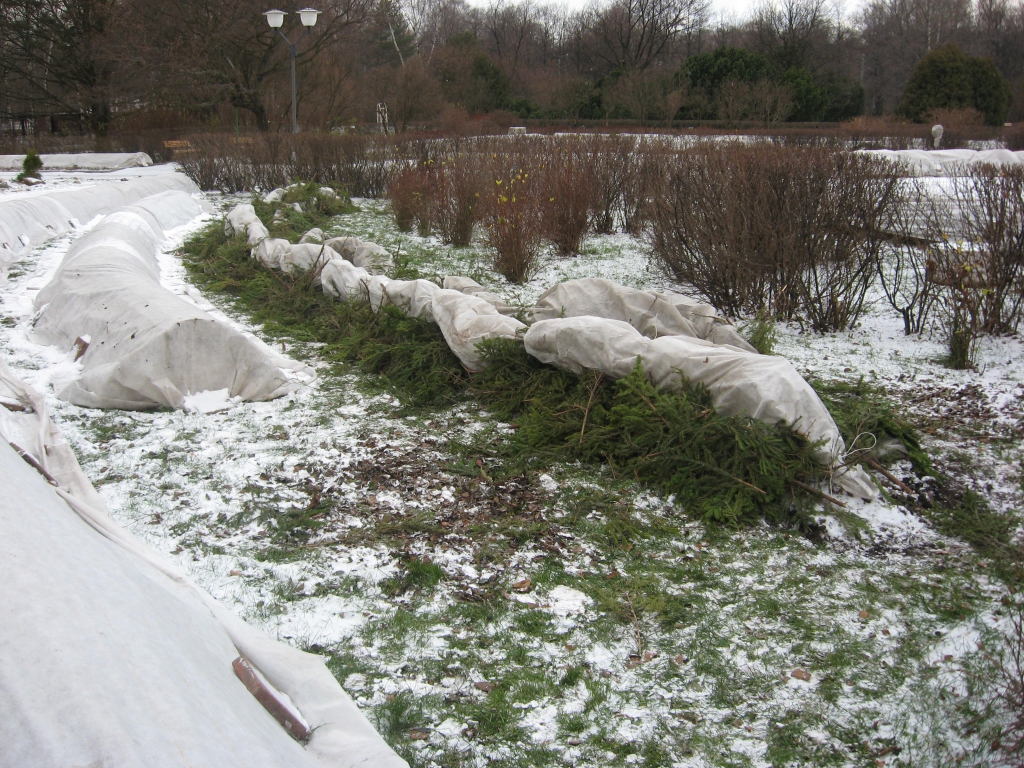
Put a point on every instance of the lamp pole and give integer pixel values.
(276, 19)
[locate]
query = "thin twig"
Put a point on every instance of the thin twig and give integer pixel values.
(888, 475)
(819, 494)
(31, 460)
(590, 401)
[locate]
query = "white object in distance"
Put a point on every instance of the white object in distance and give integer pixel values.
(275, 18)
(308, 16)
(937, 131)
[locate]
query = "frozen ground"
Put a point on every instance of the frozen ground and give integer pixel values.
(567, 618)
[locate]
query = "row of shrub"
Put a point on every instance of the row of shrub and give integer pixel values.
(797, 233)
(526, 191)
(804, 233)
(757, 227)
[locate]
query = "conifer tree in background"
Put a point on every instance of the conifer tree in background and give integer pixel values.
(946, 78)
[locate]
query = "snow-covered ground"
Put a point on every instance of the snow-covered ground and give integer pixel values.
(569, 617)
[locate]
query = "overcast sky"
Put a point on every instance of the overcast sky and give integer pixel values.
(738, 8)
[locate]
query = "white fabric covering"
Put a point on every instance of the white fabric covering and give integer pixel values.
(652, 314)
(28, 221)
(946, 162)
(473, 288)
(372, 258)
(242, 219)
(344, 280)
(467, 320)
(315, 235)
(271, 251)
(346, 246)
(147, 346)
(762, 387)
(303, 257)
(86, 161)
(112, 656)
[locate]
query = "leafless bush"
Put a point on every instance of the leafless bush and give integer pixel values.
(612, 163)
(513, 215)
(362, 164)
(644, 183)
(905, 264)
(407, 193)
(1010, 663)
(456, 197)
(978, 251)
(794, 232)
(568, 178)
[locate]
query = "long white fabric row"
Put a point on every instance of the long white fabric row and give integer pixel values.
(85, 161)
(946, 162)
(652, 314)
(114, 657)
(26, 222)
(148, 347)
(761, 387)
(464, 319)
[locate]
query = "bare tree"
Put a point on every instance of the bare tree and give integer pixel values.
(216, 50)
(634, 35)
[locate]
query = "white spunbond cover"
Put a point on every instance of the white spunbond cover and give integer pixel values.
(242, 219)
(466, 321)
(85, 161)
(946, 162)
(28, 221)
(652, 314)
(761, 387)
(473, 288)
(147, 347)
(113, 657)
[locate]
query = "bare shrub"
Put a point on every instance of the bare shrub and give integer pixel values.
(568, 185)
(644, 182)
(406, 193)
(1010, 663)
(612, 166)
(905, 264)
(456, 197)
(513, 215)
(362, 164)
(794, 232)
(978, 245)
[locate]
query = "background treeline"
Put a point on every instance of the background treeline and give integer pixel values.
(73, 66)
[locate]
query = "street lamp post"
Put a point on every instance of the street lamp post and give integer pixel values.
(276, 19)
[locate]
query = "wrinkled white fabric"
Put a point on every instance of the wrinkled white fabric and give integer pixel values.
(303, 257)
(315, 235)
(271, 251)
(344, 280)
(242, 219)
(148, 347)
(29, 221)
(946, 162)
(652, 314)
(705, 319)
(473, 288)
(372, 258)
(346, 246)
(761, 387)
(465, 321)
(114, 657)
(85, 161)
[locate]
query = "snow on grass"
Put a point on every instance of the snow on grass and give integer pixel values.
(342, 521)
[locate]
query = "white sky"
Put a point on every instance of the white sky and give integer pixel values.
(737, 8)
